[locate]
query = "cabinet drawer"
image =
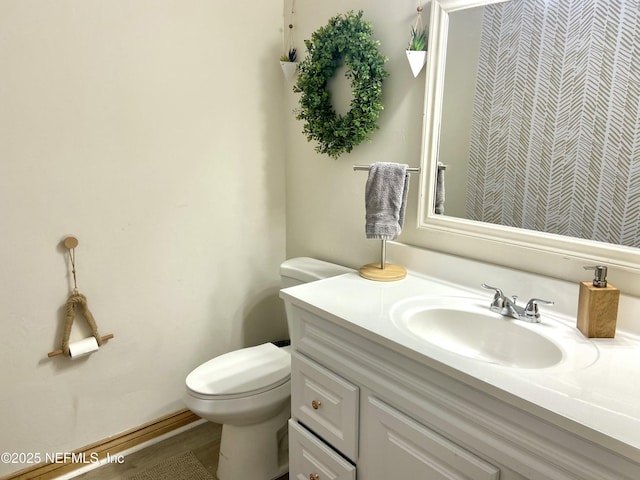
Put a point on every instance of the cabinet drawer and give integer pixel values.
(325, 403)
(309, 458)
(397, 446)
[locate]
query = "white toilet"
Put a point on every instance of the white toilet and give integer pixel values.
(248, 392)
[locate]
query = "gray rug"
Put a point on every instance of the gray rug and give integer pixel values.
(179, 467)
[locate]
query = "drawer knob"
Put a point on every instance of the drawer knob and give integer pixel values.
(314, 476)
(316, 405)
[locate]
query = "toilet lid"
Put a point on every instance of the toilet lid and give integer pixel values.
(241, 371)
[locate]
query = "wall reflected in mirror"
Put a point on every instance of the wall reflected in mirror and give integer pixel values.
(541, 117)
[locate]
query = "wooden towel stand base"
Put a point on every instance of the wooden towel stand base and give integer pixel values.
(390, 272)
(383, 271)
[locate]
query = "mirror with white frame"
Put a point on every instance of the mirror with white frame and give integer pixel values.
(459, 114)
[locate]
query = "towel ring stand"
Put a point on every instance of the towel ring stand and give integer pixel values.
(383, 271)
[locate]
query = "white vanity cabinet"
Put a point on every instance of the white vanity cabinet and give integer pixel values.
(324, 423)
(396, 446)
(326, 404)
(310, 458)
(365, 408)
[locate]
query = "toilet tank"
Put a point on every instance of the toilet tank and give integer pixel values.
(296, 271)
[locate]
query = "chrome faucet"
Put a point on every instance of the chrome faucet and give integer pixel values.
(508, 307)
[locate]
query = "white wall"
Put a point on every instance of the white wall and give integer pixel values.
(151, 131)
(325, 197)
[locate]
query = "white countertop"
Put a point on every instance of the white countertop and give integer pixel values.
(595, 394)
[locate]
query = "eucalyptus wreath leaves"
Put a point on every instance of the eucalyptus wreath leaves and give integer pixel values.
(345, 39)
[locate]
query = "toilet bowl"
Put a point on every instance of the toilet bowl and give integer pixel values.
(248, 391)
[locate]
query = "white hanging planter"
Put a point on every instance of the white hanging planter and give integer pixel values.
(290, 69)
(417, 59)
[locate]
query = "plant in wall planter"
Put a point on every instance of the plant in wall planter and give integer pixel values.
(417, 49)
(289, 64)
(346, 39)
(288, 59)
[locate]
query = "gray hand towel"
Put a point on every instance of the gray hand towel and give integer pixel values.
(440, 189)
(385, 200)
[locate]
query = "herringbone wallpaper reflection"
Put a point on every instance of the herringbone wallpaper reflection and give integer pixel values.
(556, 125)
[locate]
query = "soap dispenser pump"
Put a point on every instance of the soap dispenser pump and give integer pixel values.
(598, 305)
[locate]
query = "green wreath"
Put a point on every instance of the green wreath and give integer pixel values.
(345, 39)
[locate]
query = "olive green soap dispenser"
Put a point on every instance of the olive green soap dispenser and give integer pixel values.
(598, 306)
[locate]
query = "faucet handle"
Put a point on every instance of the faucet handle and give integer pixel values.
(531, 309)
(497, 290)
(499, 300)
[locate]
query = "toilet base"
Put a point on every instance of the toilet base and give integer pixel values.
(258, 452)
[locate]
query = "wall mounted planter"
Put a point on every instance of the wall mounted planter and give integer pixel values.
(290, 69)
(417, 59)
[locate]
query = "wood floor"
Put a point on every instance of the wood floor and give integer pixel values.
(203, 441)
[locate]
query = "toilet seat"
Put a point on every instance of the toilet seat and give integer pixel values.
(241, 373)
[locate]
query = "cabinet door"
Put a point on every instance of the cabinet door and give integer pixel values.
(310, 458)
(325, 403)
(396, 446)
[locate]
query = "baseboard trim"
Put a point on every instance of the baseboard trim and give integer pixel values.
(111, 446)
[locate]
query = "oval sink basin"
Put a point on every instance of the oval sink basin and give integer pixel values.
(467, 327)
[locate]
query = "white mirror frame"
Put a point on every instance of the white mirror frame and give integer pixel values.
(538, 252)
